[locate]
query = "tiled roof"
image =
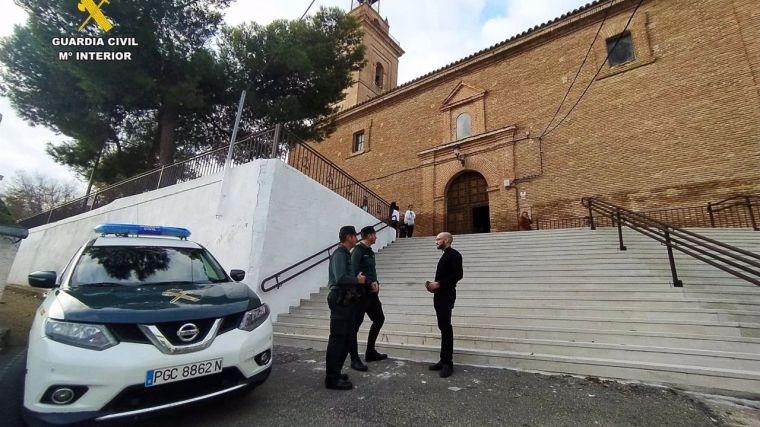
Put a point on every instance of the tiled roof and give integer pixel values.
(480, 52)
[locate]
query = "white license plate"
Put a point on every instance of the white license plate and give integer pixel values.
(182, 372)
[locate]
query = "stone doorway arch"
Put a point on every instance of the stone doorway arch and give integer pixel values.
(467, 209)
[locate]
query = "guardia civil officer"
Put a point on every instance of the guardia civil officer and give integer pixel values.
(447, 274)
(363, 259)
(342, 301)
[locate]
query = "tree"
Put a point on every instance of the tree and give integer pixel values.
(177, 95)
(29, 194)
(5, 214)
(96, 102)
(295, 71)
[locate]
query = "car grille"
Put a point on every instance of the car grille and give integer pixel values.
(138, 396)
(128, 333)
(125, 332)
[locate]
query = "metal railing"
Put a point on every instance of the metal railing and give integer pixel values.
(285, 275)
(738, 262)
(256, 146)
(319, 168)
(735, 212)
(272, 143)
(572, 222)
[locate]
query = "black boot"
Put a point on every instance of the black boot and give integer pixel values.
(338, 384)
(374, 356)
(358, 365)
(436, 367)
(447, 370)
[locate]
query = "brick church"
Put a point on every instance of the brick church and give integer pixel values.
(671, 119)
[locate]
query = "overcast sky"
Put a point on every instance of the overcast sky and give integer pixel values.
(432, 32)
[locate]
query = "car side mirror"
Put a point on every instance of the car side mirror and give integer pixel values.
(237, 275)
(42, 279)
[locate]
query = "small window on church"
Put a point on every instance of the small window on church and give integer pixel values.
(358, 145)
(463, 126)
(620, 49)
(379, 75)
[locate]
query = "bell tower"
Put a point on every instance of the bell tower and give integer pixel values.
(380, 73)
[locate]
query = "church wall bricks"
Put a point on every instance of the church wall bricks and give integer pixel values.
(677, 126)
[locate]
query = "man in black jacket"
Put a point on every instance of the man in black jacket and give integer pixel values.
(342, 303)
(447, 274)
(363, 259)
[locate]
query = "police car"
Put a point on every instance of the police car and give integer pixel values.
(141, 320)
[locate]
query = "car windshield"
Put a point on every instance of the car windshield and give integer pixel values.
(136, 265)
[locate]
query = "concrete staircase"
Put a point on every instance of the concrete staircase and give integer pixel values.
(568, 301)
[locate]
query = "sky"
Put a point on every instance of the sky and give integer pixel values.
(433, 33)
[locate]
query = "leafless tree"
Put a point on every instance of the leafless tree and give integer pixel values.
(27, 194)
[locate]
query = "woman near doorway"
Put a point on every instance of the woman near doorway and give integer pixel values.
(524, 223)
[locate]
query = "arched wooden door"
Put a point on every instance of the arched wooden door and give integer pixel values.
(467, 205)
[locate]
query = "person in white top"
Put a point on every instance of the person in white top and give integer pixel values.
(409, 217)
(394, 216)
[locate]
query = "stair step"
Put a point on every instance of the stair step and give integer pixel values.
(692, 357)
(710, 380)
(732, 329)
(654, 339)
(560, 310)
(568, 301)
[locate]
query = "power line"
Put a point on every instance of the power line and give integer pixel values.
(588, 52)
(597, 71)
(307, 9)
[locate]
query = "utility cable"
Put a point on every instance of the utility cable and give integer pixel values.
(597, 71)
(588, 52)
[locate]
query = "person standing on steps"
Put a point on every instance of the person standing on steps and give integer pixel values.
(525, 223)
(409, 217)
(447, 274)
(342, 300)
(394, 217)
(363, 259)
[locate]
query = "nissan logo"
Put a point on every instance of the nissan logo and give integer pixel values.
(188, 332)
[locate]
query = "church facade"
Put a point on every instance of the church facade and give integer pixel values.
(672, 117)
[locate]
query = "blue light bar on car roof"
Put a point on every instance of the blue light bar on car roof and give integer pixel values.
(144, 230)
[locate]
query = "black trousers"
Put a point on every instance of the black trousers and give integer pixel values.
(443, 301)
(371, 305)
(341, 335)
(409, 230)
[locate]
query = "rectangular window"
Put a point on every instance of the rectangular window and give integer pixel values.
(620, 49)
(358, 145)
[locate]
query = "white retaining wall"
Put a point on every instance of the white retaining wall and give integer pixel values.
(8, 248)
(272, 216)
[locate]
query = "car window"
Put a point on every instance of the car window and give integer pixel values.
(136, 265)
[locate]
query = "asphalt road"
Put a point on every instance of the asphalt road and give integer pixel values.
(396, 392)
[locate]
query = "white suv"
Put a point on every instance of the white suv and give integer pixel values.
(138, 324)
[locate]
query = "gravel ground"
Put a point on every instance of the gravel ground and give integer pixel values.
(396, 392)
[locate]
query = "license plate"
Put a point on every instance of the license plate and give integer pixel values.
(182, 372)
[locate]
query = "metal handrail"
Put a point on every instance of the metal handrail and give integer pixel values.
(748, 201)
(203, 164)
(328, 250)
(738, 262)
(321, 169)
(734, 212)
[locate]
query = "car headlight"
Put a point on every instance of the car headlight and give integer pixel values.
(95, 337)
(252, 319)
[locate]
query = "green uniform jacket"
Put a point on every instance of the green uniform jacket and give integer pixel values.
(341, 273)
(363, 259)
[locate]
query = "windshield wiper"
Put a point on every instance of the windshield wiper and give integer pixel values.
(103, 284)
(174, 282)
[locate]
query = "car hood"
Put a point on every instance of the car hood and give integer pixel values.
(152, 303)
